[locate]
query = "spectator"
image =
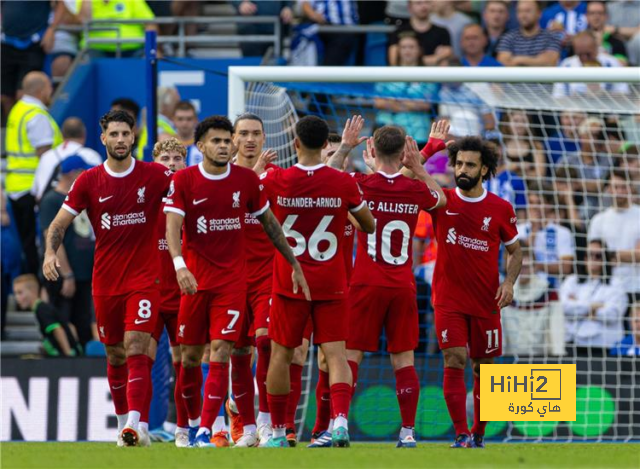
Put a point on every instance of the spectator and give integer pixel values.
(65, 44)
(187, 8)
(596, 22)
(425, 248)
(495, 17)
(565, 139)
(524, 153)
(31, 131)
(185, 119)
(339, 48)
(9, 257)
(619, 227)
(585, 47)
(446, 16)
(529, 46)
(624, 23)
(508, 185)
(74, 134)
(435, 41)
(630, 344)
(27, 37)
(71, 295)
(567, 18)
(593, 308)
(57, 337)
(260, 8)
(552, 244)
(168, 98)
(411, 113)
(473, 43)
(114, 10)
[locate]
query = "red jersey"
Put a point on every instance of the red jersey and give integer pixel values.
(214, 207)
(260, 252)
(170, 290)
(469, 233)
(347, 248)
(123, 209)
(384, 257)
(312, 204)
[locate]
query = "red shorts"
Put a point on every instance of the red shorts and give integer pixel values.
(256, 317)
(209, 315)
(482, 335)
(289, 318)
(134, 311)
(372, 308)
(168, 319)
(308, 330)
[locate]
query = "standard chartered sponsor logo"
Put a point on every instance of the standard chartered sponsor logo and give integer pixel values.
(202, 225)
(105, 221)
(218, 224)
(468, 243)
(108, 221)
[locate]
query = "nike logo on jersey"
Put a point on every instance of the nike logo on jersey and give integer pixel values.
(196, 202)
(213, 397)
(491, 350)
(134, 379)
(186, 397)
(104, 199)
(451, 213)
(140, 321)
(240, 395)
(227, 331)
(118, 387)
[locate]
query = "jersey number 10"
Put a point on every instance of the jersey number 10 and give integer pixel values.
(385, 248)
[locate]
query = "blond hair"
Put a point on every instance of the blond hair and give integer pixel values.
(170, 144)
(29, 279)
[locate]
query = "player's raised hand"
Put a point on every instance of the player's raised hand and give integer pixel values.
(351, 133)
(411, 155)
(440, 129)
(266, 157)
(367, 155)
(50, 266)
(298, 280)
(504, 294)
(187, 281)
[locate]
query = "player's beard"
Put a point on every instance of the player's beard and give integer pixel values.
(466, 183)
(116, 156)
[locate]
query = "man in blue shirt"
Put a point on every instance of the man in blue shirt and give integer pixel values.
(473, 43)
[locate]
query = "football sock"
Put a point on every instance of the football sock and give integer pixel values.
(138, 384)
(243, 388)
(122, 420)
(354, 374)
(340, 400)
(117, 377)
(263, 418)
(218, 424)
(263, 344)
(405, 432)
(295, 372)
(181, 406)
(215, 391)
(144, 426)
(478, 425)
(323, 403)
(455, 395)
(342, 422)
(278, 407)
(331, 422)
(191, 384)
(408, 393)
(144, 414)
(194, 422)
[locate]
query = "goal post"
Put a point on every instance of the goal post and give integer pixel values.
(558, 150)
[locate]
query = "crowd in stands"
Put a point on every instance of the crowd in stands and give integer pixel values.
(575, 183)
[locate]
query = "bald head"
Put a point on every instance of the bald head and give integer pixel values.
(38, 85)
(74, 129)
(168, 98)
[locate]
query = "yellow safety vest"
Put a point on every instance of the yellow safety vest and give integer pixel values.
(22, 159)
(118, 10)
(165, 128)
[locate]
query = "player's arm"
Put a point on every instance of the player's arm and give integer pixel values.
(437, 136)
(363, 219)
(55, 235)
(411, 161)
(186, 280)
(514, 264)
(350, 139)
(274, 231)
(266, 157)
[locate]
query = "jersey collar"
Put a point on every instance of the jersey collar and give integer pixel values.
(390, 176)
(472, 199)
(120, 175)
(309, 168)
(214, 177)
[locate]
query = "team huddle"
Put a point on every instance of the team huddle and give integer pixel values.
(239, 259)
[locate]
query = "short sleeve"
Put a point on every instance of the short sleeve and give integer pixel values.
(257, 202)
(353, 195)
(595, 228)
(506, 43)
(39, 131)
(428, 198)
(78, 197)
(509, 226)
(445, 38)
(554, 42)
(269, 180)
(47, 318)
(175, 201)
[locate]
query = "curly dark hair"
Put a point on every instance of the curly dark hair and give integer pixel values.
(312, 131)
(213, 122)
(488, 156)
(116, 116)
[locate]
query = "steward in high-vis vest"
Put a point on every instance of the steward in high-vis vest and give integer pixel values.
(30, 132)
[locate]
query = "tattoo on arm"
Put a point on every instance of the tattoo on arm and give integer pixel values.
(337, 159)
(55, 235)
(274, 231)
(514, 263)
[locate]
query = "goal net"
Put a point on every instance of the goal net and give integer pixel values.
(569, 153)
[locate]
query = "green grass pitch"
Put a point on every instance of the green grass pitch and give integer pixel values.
(360, 455)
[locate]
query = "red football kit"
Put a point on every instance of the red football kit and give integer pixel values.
(312, 204)
(124, 210)
(466, 279)
(383, 289)
(214, 208)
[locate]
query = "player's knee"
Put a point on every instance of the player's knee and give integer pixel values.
(355, 356)
(454, 359)
(401, 360)
(190, 358)
(116, 355)
(241, 351)
(220, 351)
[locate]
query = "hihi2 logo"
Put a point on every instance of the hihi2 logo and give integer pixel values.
(528, 392)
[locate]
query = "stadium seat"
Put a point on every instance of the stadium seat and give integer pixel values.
(375, 49)
(94, 349)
